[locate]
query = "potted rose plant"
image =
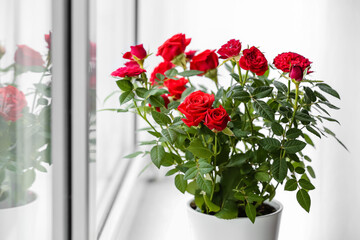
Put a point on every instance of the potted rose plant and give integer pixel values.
(25, 145)
(233, 147)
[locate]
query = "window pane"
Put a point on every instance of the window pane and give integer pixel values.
(25, 103)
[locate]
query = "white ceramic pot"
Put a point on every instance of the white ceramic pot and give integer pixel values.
(18, 223)
(208, 227)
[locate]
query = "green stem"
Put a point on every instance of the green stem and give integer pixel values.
(239, 70)
(214, 178)
(295, 104)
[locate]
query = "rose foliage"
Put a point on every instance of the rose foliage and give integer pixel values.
(231, 146)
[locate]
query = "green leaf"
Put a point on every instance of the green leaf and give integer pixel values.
(205, 167)
(235, 76)
(28, 178)
(160, 118)
(313, 131)
(279, 169)
(197, 148)
(133, 155)
(171, 72)
(155, 134)
(293, 133)
(330, 105)
(171, 172)
(326, 118)
(242, 96)
(156, 101)
(311, 171)
(310, 94)
(125, 85)
(263, 91)
(228, 132)
(190, 73)
(306, 184)
(303, 117)
(204, 184)
(294, 146)
(308, 140)
(41, 168)
(238, 159)
(160, 76)
(173, 105)
(263, 110)
(212, 206)
(126, 96)
(169, 134)
(180, 183)
(304, 199)
(156, 92)
(262, 176)
(291, 185)
(191, 173)
(141, 92)
(42, 101)
(328, 131)
(157, 154)
(277, 128)
(187, 92)
(270, 144)
(250, 211)
(326, 88)
(281, 86)
(192, 187)
(228, 211)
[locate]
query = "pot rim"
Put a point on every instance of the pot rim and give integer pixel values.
(274, 203)
(33, 197)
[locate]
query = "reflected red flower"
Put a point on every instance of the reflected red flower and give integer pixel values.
(12, 102)
(27, 56)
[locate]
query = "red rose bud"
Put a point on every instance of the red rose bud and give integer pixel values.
(296, 73)
(27, 56)
(254, 60)
(195, 107)
(205, 61)
(138, 51)
(2, 51)
(217, 119)
(173, 47)
(48, 40)
(190, 54)
(12, 102)
(161, 68)
(284, 61)
(166, 102)
(128, 72)
(231, 49)
(176, 87)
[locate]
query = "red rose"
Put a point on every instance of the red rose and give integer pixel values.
(48, 40)
(2, 51)
(138, 51)
(27, 56)
(12, 102)
(128, 71)
(195, 107)
(166, 102)
(205, 61)
(231, 49)
(217, 119)
(176, 87)
(161, 68)
(296, 73)
(190, 54)
(284, 61)
(254, 60)
(173, 47)
(132, 64)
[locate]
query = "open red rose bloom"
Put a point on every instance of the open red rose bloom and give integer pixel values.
(12, 102)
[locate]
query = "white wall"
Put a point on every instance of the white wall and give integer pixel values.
(326, 32)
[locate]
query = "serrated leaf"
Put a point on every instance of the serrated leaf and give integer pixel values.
(238, 159)
(133, 155)
(326, 88)
(329, 105)
(279, 169)
(126, 96)
(330, 119)
(277, 128)
(171, 72)
(311, 171)
(141, 92)
(160, 118)
(294, 146)
(147, 142)
(180, 183)
(156, 92)
(311, 95)
(155, 134)
(191, 173)
(304, 199)
(313, 131)
(250, 211)
(125, 85)
(242, 96)
(303, 117)
(160, 76)
(171, 172)
(228, 211)
(190, 73)
(205, 167)
(262, 176)
(157, 154)
(196, 147)
(204, 184)
(169, 134)
(212, 206)
(293, 133)
(270, 144)
(291, 185)
(173, 105)
(156, 101)
(187, 92)
(281, 86)
(306, 184)
(263, 110)
(263, 91)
